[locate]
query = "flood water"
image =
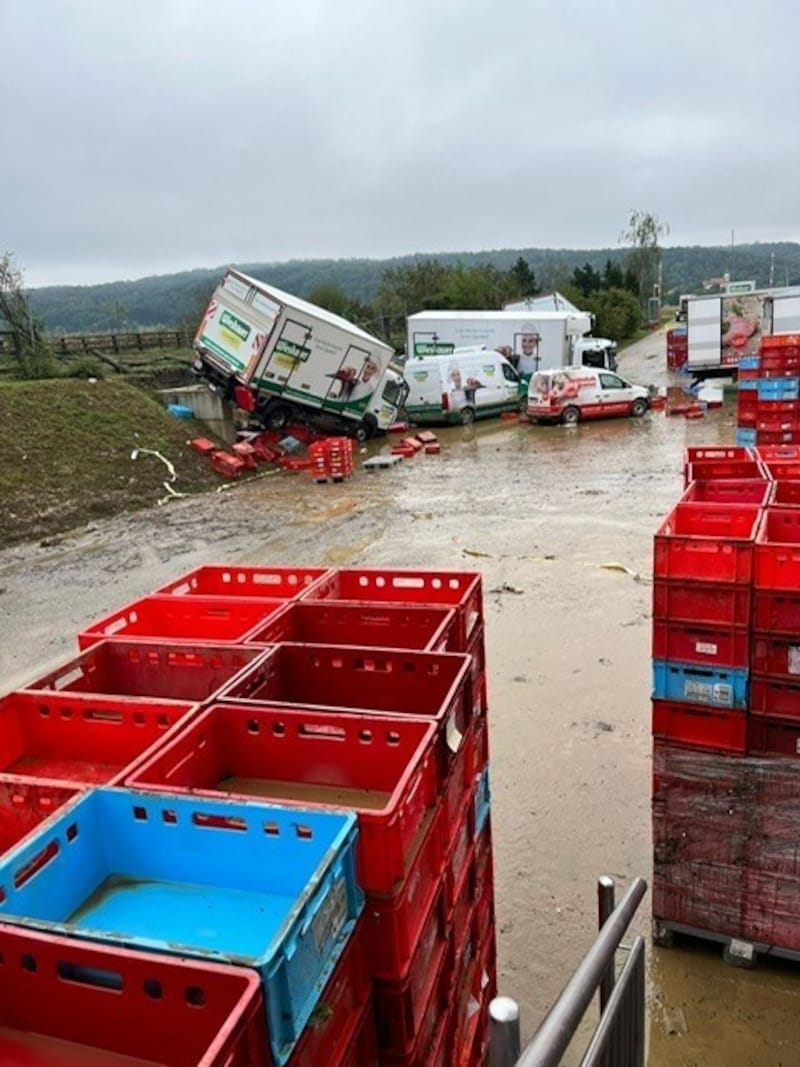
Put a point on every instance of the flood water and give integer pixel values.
(560, 522)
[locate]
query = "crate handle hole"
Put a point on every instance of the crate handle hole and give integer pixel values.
(279, 729)
(271, 829)
(35, 864)
(305, 833)
(72, 831)
(153, 989)
(2, 895)
(66, 713)
(162, 720)
(392, 737)
(91, 976)
(195, 996)
(140, 813)
(46, 803)
(321, 732)
(28, 962)
(365, 737)
(253, 727)
(17, 800)
(44, 711)
(212, 821)
(102, 715)
(64, 681)
(138, 718)
(169, 816)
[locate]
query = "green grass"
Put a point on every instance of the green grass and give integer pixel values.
(65, 454)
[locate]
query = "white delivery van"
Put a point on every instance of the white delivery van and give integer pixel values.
(281, 358)
(459, 388)
(577, 393)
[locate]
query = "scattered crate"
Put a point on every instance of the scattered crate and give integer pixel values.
(228, 465)
(246, 453)
(203, 446)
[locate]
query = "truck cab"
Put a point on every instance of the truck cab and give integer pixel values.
(597, 352)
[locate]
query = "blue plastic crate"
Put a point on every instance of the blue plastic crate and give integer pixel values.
(483, 800)
(778, 388)
(749, 363)
(257, 885)
(746, 438)
(692, 683)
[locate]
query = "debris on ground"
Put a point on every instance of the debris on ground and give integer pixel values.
(622, 568)
(506, 588)
(476, 552)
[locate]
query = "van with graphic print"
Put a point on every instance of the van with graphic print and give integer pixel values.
(466, 385)
(576, 393)
(282, 359)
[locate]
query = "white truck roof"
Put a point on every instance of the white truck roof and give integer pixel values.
(309, 309)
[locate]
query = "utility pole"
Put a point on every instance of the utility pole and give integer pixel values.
(771, 269)
(733, 275)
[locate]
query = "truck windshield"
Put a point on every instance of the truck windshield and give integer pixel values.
(394, 392)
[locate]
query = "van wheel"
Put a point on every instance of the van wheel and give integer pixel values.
(639, 407)
(277, 416)
(570, 416)
(467, 416)
(366, 429)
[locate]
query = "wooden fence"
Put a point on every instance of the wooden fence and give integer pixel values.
(71, 344)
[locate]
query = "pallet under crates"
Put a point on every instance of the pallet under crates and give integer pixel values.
(456, 921)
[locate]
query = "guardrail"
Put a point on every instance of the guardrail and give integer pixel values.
(619, 1037)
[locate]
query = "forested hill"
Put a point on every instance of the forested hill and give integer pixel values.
(170, 299)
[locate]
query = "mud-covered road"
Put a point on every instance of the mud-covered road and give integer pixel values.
(541, 512)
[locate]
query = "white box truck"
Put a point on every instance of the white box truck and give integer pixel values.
(281, 358)
(725, 327)
(531, 340)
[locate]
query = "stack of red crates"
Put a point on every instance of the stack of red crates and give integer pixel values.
(726, 786)
(769, 393)
(355, 688)
(677, 347)
(331, 459)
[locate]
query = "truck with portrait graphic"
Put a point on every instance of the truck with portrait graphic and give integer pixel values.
(282, 359)
(471, 383)
(531, 340)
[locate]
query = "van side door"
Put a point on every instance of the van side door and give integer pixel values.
(616, 395)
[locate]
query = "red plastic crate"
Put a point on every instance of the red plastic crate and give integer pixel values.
(434, 1040)
(80, 741)
(782, 427)
(459, 857)
(338, 1017)
(706, 603)
(461, 590)
(724, 469)
(780, 342)
(458, 784)
(361, 625)
(175, 619)
(778, 657)
(406, 1009)
(25, 804)
(136, 669)
(433, 685)
(384, 768)
(776, 612)
(701, 726)
(228, 465)
(269, 583)
(768, 736)
(780, 364)
(203, 446)
(707, 542)
(777, 437)
(768, 453)
(777, 549)
(771, 913)
(776, 698)
(246, 453)
(395, 922)
(786, 494)
(707, 896)
(715, 454)
(65, 1001)
(714, 645)
(754, 491)
(363, 1049)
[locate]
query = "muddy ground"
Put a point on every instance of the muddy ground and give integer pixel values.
(541, 512)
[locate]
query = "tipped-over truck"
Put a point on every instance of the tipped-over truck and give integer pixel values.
(282, 359)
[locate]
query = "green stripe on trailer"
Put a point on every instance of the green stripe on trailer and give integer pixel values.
(218, 350)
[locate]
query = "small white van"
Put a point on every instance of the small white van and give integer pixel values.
(577, 393)
(460, 387)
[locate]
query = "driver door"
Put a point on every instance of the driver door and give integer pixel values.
(616, 395)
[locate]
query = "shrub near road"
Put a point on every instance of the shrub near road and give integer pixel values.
(65, 454)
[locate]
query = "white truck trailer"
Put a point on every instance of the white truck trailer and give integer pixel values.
(280, 358)
(531, 340)
(725, 327)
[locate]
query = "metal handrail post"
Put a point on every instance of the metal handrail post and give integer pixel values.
(554, 1035)
(626, 1003)
(504, 1032)
(605, 906)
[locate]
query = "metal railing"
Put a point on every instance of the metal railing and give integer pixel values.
(619, 1037)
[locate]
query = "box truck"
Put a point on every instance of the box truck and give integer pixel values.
(723, 328)
(281, 359)
(530, 340)
(469, 384)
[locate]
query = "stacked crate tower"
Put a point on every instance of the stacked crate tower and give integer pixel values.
(769, 393)
(284, 767)
(726, 704)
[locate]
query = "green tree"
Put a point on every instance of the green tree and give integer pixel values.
(616, 313)
(524, 278)
(643, 238)
(586, 279)
(332, 297)
(26, 332)
(613, 277)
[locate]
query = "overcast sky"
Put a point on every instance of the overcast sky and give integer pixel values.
(142, 138)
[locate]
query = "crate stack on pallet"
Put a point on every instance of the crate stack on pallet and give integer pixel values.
(726, 706)
(769, 393)
(677, 347)
(284, 767)
(331, 459)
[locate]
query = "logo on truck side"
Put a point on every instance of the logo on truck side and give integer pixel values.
(292, 349)
(234, 325)
(433, 348)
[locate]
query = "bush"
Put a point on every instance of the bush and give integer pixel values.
(616, 313)
(84, 367)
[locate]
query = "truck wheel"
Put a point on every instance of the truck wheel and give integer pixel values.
(277, 416)
(366, 429)
(570, 416)
(639, 407)
(467, 416)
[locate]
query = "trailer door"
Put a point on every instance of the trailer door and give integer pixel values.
(785, 314)
(704, 332)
